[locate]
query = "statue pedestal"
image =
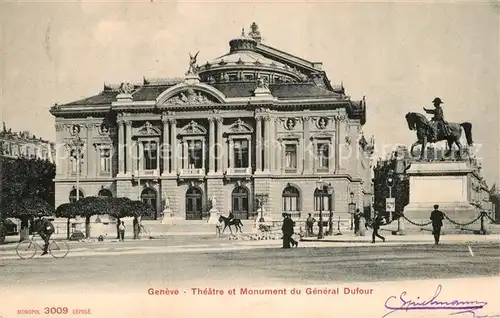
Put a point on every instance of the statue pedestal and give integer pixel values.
(214, 216)
(445, 183)
(168, 216)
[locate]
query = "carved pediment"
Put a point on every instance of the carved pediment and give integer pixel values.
(148, 130)
(240, 127)
(191, 97)
(193, 129)
(291, 136)
(323, 135)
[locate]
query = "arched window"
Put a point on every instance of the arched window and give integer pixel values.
(323, 200)
(105, 193)
(72, 195)
(291, 199)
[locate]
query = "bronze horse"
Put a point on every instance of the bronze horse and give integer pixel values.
(236, 222)
(422, 125)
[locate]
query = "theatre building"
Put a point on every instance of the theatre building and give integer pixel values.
(255, 122)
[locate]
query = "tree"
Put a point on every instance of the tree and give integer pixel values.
(68, 211)
(400, 190)
(27, 189)
(89, 206)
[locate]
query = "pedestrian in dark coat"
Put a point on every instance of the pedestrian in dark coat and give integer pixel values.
(376, 223)
(356, 221)
(287, 229)
(437, 218)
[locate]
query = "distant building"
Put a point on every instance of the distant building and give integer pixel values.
(24, 145)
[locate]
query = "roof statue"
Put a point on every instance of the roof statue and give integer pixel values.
(261, 83)
(125, 88)
(193, 67)
(255, 33)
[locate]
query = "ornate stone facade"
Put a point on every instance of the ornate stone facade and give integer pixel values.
(236, 130)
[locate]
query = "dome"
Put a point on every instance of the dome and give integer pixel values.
(244, 62)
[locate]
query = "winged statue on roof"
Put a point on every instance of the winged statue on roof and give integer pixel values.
(192, 63)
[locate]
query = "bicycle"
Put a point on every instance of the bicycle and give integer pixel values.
(142, 229)
(27, 249)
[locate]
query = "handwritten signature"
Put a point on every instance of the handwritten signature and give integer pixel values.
(460, 306)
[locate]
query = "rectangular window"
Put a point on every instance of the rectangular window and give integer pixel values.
(323, 154)
(291, 156)
(195, 154)
(105, 160)
(150, 153)
(241, 153)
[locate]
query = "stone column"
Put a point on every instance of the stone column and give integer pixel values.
(211, 146)
(128, 131)
(277, 145)
(337, 145)
(267, 141)
(249, 154)
(121, 148)
(90, 153)
(331, 161)
(306, 154)
(185, 152)
(220, 145)
(231, 154)
(258, 145)
(272, 144)
(173, 145)
(165, 147)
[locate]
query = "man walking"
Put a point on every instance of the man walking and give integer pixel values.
(437, 218)
(310, 223)
(377, 222)
(287, 229)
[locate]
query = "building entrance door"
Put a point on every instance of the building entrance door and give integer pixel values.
(148, 196)
(240, 203)
(194, 206)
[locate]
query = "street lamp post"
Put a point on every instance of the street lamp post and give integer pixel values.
(352, 209)
(330, 207)
(320, 185)
(75, 147)
(390, 183)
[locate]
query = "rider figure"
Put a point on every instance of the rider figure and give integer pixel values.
(438, 117)
(231, 216)
(45, 230)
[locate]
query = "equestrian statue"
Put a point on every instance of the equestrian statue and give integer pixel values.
(437, 129)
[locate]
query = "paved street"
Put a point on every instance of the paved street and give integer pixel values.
(157, 261)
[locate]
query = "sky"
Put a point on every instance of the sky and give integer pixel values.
(399, 55)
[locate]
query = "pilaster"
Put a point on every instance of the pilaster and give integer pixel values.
(258, 145)
(121, 148)
(128, 136)
(211, 146)
(267, 144)
(174, 146)
(220, 146)
(307, 146)
(165, 153)
(276, 149)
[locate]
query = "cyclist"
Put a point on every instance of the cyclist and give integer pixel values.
(45, 230)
